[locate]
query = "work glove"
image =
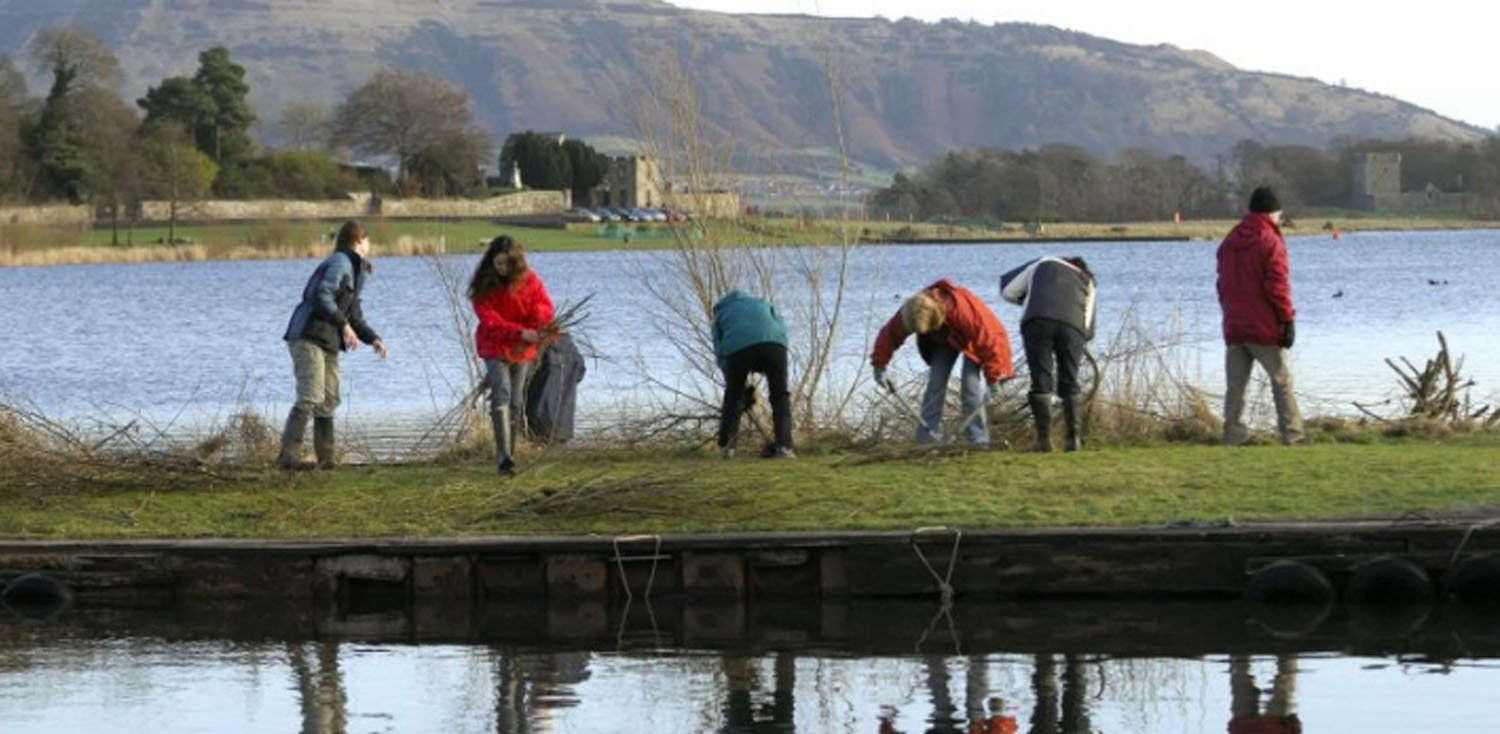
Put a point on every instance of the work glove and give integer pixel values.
(1288, 335)
(880, 376)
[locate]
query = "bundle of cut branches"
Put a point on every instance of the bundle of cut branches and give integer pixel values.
(565, 320)
(461, 421)
(38, 453)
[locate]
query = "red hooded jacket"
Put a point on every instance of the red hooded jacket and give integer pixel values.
(1255, 290)
(505, 312)
(971, 326)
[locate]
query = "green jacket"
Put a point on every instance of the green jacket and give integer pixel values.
(742, 320)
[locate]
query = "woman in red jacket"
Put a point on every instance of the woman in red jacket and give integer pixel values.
(513, 307)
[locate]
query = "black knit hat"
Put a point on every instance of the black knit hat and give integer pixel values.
(1264, 200)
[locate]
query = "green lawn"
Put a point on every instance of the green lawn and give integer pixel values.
(619, 492)
(460, 236)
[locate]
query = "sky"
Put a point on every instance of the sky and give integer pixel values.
(1433, 58)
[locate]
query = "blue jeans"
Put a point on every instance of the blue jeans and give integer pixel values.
(507, 385)
(971, 396)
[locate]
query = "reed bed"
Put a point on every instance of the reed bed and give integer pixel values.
(93, 255)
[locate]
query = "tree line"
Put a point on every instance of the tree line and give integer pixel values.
(1068, 183)
(190, 137)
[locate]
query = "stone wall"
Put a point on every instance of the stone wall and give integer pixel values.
(46, 215)
(518, 204)
(706, 204)
(259, 210)
(1432, 198)
(359, 206)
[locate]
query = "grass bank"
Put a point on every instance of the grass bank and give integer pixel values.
(35, 246)
(619, 491)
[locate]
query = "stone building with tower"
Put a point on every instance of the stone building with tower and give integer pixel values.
(635, 181)
(1375, 184)
(1375, 181)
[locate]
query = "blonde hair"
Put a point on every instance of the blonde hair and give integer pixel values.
(922, 314)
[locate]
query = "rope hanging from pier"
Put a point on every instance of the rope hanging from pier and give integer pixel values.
(944, 581)
(655, 557)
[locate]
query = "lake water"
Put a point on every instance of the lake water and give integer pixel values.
(161, 672)
(180, 346)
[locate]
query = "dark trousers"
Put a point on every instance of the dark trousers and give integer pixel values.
(1052, 343)
(768, 359)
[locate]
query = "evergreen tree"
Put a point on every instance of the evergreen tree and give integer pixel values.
(211, 106)
(543, 161)
(226, 137)
(588, 167)
(58, 143)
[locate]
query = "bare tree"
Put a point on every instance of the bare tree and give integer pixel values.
(114, 178)
(420, 119)
(709, 257)
(76, 59)
(12, 84)
(306, 125)
(176, 170)
(10, 139)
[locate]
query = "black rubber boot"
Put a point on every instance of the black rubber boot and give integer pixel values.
(291, 441)
(1072, 438)
(324, 444)
(500, 424)
(1041, 413)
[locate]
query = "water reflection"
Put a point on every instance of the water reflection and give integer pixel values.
(751, 709)
(320, 688)
(1277, 714)
(169, 671)
(530, 688)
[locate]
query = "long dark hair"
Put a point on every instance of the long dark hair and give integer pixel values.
(487, 279)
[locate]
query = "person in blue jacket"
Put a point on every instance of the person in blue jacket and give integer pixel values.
(749, 336)
(328, 320)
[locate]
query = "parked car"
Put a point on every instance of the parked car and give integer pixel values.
(607, 214)
(580, 214)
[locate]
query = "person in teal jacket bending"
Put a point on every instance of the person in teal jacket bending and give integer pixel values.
(749, 336)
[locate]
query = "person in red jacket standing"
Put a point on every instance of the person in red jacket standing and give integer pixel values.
(1255, 294)
(951, 322)
(513, 307)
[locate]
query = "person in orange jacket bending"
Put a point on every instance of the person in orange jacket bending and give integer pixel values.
(949, 321)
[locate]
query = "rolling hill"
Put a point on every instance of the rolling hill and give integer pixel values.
(909, 90)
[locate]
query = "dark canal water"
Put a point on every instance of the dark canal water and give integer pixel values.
(869, 668)
(185, 345)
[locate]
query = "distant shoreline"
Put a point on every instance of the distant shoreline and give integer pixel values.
(30, 246)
